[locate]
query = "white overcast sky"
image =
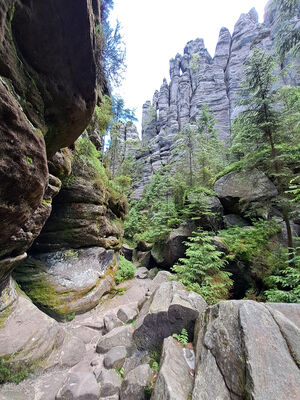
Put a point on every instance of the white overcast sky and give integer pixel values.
(155, 31)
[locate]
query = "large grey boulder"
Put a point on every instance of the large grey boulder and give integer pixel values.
(79, 386)
(246, 349)
(138, 358)
(169, 309)
(111, 321)
(115, 357)
(175, 377)
(110, 383)
(67, 281)
(121, 336)
(127, 251)
(127, 314)
(174, 248)
(27, 335)
(239, 188)
(133, 386)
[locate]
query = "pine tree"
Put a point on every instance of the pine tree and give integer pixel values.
(260, 136)
(288, 28)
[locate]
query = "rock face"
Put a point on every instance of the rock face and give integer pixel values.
(238, 189)
(33, 343)
(196, 78)
(169, 309)
(49, 84)
(41, 99)
(175, 377)
(83, 212)
(67, 282)
(246, 349)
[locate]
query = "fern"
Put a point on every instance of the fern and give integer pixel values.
(182, 337)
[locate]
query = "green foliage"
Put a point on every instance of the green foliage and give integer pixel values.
(102, 116)
(182, 337)
(294, 189)
(197, 204)
(120, 372)
(87, 154)
(12, 372)
(252, 245)
(29, 161)
(202, 270)
(154, 366)
(155, 356)
(126, 270)
(287, 28)
(155, 215)
(70, 316)
(284, 283)
(199, 154)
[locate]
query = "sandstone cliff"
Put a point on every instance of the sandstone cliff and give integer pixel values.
(51, 77)
(196, 78)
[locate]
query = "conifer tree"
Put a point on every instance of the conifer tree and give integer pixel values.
(260, 140)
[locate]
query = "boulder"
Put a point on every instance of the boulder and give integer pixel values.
(79, 386)
(143, 246)
(138, 358)
(238, 189)
(141, 258)
(175, 377)
(134, 383)
(234, 220)
(169, 309)
(111, 322)
(68, 281)
(127, 314)
(127, 251)
(115, 357)
(246, 349)
(110, 383)
(141, 273)
(161, 277)
(121, 336)
(27, 335)
(174, 248)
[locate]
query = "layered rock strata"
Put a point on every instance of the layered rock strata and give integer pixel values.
(50, 79)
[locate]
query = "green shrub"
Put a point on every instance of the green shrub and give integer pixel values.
(202, 270)
(253, 246)
(12, 372)
(284, 283)
(126, 270)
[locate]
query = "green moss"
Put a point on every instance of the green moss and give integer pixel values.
(4, 315)
(29, 160)
(46, 202)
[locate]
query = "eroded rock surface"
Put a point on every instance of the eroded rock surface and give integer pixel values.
(68, 281)
(247, 349)
(175, 376)
(197, 78)
(169, 309)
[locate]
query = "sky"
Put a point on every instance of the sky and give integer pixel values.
(154, 31)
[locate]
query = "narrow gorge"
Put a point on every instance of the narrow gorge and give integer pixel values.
(160, 266)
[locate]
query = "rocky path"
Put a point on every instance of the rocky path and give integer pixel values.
(83, 332)
(124, 349)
